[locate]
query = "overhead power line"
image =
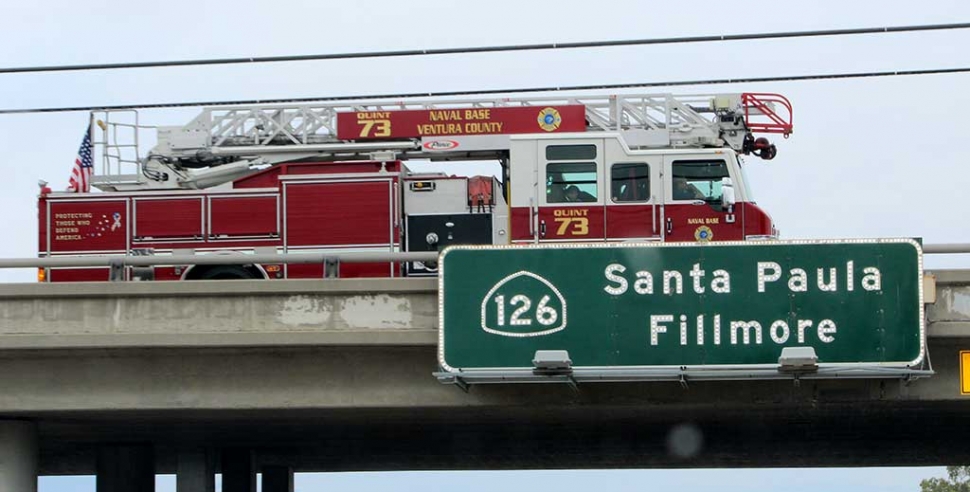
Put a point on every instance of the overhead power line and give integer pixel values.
(489, 49)
(412, 95)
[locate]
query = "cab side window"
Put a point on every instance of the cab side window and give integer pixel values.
(573, 179)
(630, 182)
(698, 180)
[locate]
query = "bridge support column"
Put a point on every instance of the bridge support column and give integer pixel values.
(126, 468)
(277, 479)
(18, 456)
(238, 470)
(195, 471)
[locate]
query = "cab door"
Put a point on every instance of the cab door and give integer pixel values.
(692, 185)
(571, 187)
(634, 203)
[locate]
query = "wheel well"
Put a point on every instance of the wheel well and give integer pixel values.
(224, 272)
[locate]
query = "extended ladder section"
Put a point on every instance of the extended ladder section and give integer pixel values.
(223, 143)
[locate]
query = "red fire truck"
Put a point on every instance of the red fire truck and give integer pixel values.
(334, 178)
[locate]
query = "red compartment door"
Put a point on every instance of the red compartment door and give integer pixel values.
(87, 226)
(233, 217)
(169, 218)
(339, 213)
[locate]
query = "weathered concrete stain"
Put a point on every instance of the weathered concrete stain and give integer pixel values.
(960, 303)
(303, 310)
(953, 304)
(376, 311)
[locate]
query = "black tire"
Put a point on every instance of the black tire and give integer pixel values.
(226, 272)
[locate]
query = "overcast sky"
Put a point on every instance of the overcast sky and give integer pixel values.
(869, 157)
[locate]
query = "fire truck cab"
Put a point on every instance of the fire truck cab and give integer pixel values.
(598, 189)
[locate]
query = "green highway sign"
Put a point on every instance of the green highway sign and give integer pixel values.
(857, 303)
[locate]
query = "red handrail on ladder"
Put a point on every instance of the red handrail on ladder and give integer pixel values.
(762, 102)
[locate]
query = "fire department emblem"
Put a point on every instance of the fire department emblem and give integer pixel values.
(703, 234)
(549, 119)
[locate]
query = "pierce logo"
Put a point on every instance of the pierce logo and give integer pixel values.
(523, 305)
(441, 145)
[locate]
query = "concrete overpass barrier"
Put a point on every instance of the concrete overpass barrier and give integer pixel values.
(949, 316)
(218, 313)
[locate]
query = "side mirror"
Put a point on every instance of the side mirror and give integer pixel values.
(727, 195)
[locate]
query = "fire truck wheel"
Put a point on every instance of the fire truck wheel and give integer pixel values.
(225, 272)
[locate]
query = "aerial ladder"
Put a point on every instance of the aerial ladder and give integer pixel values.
(228, 142)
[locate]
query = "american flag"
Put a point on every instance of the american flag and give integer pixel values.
(83, 167)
